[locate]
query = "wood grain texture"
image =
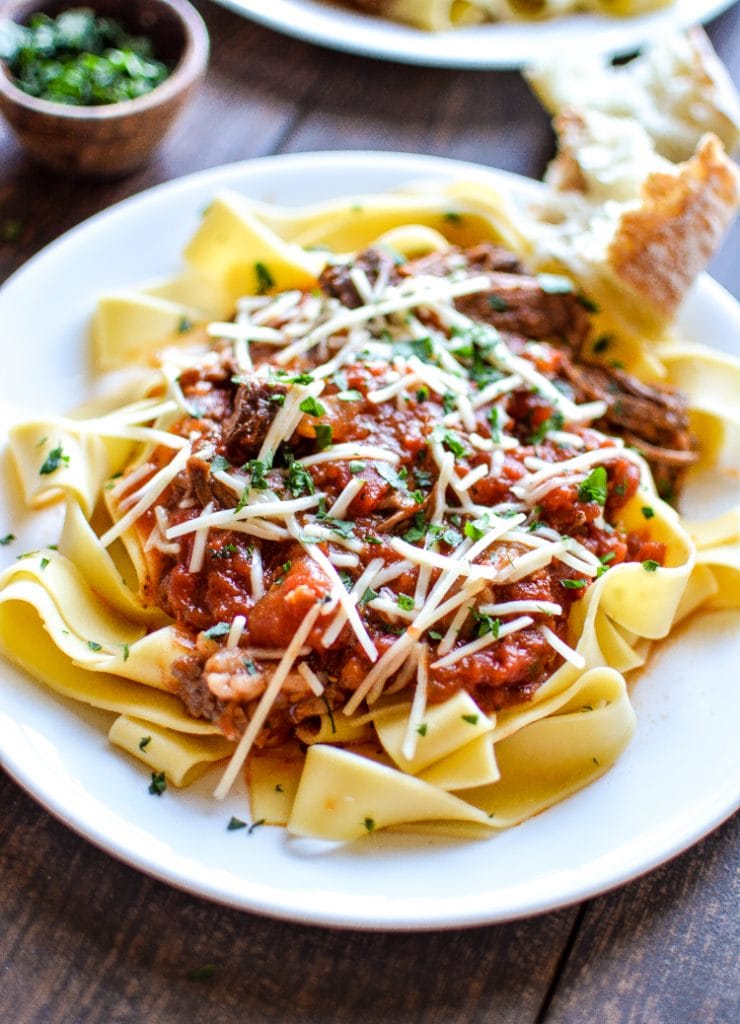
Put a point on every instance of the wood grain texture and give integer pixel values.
(664, 949)
(87, 940)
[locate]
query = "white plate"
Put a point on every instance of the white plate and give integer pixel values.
(677, 780)
(497, 45)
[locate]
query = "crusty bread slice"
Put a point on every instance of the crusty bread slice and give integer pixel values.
(660, 247)
(677, 90)
(627, 221)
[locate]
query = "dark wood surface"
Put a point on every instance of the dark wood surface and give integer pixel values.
(84, 938)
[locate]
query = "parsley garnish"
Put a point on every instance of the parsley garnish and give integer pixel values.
(312, 407)
(646, 510)
(202, 973)
(418, 531)
(368, 596)
(7, 539)
(257, 470)
(602, 343)
(184, 325)
(299, 480)
(453, 444)
(573, 584)
(235, 824)
(471, 719)
(53, 461)
(219, 463)
(158, 784)
(593, 488)
(254, 825)
(144, 742)
(265, 280)
(650, 565)
(497, 304)
(422, 729)
(220, 629)
(485, 624)
(369, 824)
(324, 435)
(93, 645)
(476, 528)
(554, 422)
(405, 602)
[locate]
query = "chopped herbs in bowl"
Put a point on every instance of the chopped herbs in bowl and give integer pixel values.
(92, 90)
(80, 59)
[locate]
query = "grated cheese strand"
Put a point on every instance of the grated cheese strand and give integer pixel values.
(266, 701)
(418, 704)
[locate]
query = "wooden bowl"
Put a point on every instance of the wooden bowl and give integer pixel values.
(110, 140)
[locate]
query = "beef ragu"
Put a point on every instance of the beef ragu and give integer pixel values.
(416, 454)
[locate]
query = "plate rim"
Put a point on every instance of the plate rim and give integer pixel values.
(364, 35)
(718, 810)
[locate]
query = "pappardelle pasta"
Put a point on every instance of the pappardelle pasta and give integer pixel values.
(380, 527)
(438, 15)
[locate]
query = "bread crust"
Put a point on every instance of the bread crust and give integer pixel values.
(659, 248)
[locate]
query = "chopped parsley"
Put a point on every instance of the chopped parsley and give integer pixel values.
(144, 742)
(369, 824)
(324, 435)
(203, 973)
(299, 480)
(184, 325)
(554, 422)
(44, 562)
(254, 825)
(650, 565)
(53, 461)
(312, 406)
(422, 729)
(405, 602)
(470, 719)
(418, 531)
(257, 478)
(219, 463)
(453, 443)
(158, 784)
(476, 528)
(485, 624)
(593, 488)
(602, 343)
(573, 584)
(235, 824)
(220, 629)
(497, 304)
(265, 280)
(92, 644)
(368, 596)
(646, 510)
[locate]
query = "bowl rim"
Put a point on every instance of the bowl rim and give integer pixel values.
(190, 66)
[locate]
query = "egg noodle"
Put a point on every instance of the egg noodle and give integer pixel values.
(367, 532)
(438, 15)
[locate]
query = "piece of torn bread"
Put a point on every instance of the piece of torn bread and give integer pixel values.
(633, 226)
(677, 90)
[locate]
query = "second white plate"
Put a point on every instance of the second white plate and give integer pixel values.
(497, 45)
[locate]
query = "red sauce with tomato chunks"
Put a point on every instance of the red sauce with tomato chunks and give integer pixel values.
(357, 475)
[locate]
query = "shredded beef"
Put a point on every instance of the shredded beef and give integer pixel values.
(649, 417)
(193, 690)
(335, 279)
(254, 411)
(518, 304)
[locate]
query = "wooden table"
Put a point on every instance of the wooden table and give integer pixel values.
(84, 938)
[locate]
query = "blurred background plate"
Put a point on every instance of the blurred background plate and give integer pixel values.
(498, 45)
